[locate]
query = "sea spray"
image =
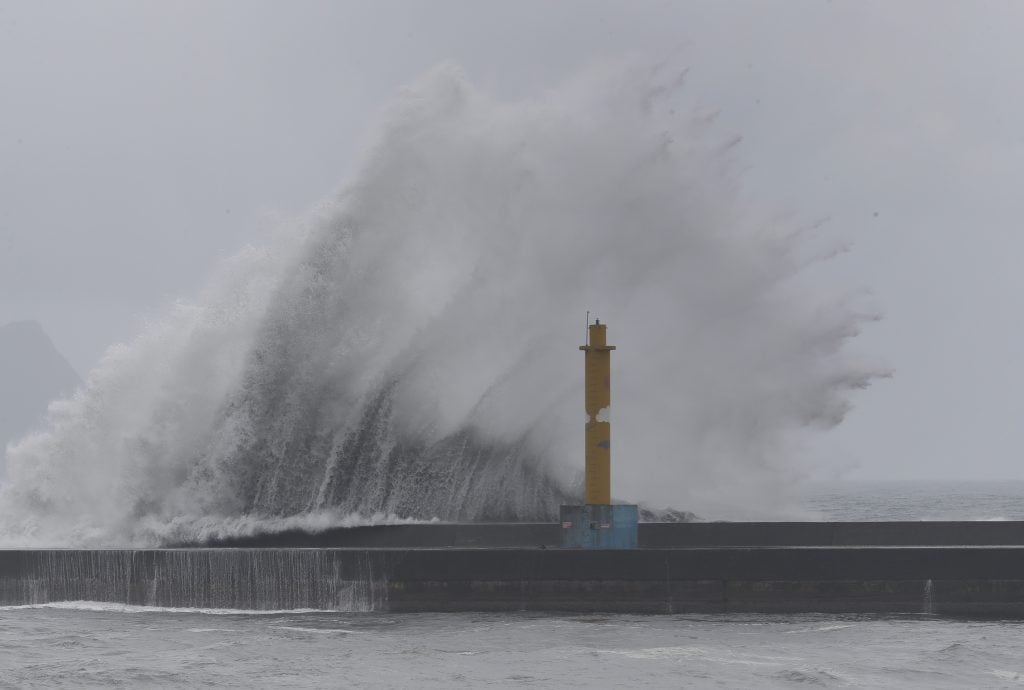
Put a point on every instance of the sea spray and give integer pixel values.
(410, 348)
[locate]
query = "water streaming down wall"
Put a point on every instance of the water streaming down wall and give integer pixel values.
(462, 476)
(262, 579)
(928, 598)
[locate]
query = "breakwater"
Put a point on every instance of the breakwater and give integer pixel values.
(652, 535)
(498, 574)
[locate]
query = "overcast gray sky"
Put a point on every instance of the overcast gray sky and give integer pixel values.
(143, 142)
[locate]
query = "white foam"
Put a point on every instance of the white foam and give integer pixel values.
(825, 628)
(318, 631)
(1008, 676)
(113, 607)
(704, 654)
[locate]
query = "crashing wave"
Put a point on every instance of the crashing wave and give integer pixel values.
(409, 348)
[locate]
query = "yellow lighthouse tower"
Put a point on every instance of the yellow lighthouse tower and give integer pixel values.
(597, 524)
(597, 388)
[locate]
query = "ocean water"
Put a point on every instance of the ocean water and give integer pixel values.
(80, 645)
(90, 644)
(914, 500)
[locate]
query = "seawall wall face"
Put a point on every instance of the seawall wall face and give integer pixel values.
(247, 579)
(982, 581)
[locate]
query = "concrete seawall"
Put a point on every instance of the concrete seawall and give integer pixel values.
(651, 535)
(972, 580)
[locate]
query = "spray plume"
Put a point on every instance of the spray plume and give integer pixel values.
(410, 348)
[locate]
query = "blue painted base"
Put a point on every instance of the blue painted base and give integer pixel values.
(599, 527)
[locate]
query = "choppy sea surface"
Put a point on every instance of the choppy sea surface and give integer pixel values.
(108, 646)
(88, 644)
(914, 500)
